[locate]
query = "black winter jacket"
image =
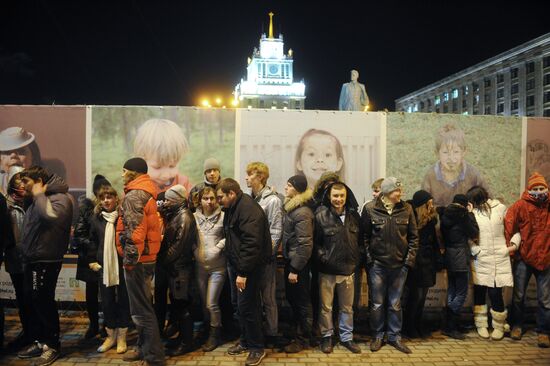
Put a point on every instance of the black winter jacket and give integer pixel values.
(337, 245)
(423, 274)
(390, 240)
(180, 237)
(47, 224)
(457, 227)
(298, 231)
(247, 237)
(86, 249)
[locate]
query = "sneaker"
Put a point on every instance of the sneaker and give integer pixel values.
(32, 350)
(48, 356)
(254, 358)
(516, 333)
(350, 345)
(132, 355)
(543, 340)
(237, 350)
(326, 345)
(398, 345)
(376, 344)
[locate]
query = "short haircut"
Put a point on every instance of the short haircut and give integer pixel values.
(161, 140)
(449, 134)
(338, 186)
(105, 190)
(228, 184)
(377, 184)
(261, 169)
(35, 173)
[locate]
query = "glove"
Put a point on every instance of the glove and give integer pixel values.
(95, 266)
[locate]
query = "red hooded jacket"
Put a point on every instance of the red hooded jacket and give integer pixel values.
(532, 220)
(138, 233)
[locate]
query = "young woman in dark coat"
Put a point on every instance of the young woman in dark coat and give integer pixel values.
(423, 275)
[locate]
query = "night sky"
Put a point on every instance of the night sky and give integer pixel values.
(131, 52)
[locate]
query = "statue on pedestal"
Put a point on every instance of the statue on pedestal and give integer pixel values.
(353, 96)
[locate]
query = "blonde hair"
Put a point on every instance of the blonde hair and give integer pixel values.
(161, 140)
(261, 170)
(424, 214)
(447, 135)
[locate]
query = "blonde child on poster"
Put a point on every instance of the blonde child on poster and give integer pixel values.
(319, 151)
(162, 144)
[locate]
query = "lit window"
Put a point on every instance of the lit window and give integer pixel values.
(446, 97)
(465, 90)
(455, 93)
(437, 100)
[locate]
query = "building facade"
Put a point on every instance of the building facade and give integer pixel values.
(269, 81)
(514, 83)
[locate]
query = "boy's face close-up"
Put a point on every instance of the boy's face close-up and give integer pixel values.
(318, 156)
(162, 175)
(451, 157)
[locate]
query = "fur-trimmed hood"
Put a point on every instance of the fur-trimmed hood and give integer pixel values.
(299, 200)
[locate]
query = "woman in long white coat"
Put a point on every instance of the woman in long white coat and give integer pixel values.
(491, 265)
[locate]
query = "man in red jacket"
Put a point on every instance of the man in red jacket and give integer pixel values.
(138, 242)
(530, 216)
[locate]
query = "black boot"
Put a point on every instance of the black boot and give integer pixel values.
(185, 337)
(214, 339)
(451, 329)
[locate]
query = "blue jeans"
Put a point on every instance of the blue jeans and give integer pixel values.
(457, 290)
(138, 283)
(345, 289)
(210, 286)
(522, 275)
(386, 283)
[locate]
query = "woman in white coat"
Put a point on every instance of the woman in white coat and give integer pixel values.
(491, 265)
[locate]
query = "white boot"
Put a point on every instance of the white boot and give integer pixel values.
(499, 320)
(121, 346)
(481, 321)
(109, 342)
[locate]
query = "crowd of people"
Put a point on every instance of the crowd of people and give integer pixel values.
(213, 252)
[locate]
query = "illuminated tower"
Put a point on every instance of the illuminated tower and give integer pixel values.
(269, 82)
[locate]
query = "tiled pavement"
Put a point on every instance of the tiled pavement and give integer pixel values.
(436, 350)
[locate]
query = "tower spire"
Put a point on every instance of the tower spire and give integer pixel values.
(271, 24)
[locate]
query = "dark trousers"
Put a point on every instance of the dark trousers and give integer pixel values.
(138, 283)
(522, 275)
(40, 281)
(115, 303)
(17, 279)
(92, 303)
(495, 295)
(161, 300)
(457, 290)
(249, 311)
(298, 295)
(414, 306)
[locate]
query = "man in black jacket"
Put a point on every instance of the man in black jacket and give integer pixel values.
(391, 241)
(175, 258)
(337, 245)
(247, 249)
(44, 241)
(297, 248)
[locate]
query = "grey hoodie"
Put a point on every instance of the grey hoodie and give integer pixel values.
(47, 225)
(272, 205)
(209, 249)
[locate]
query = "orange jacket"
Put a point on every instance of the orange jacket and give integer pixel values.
(138, 233)
(532, 220)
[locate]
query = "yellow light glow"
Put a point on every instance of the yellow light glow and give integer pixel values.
(205, 103)
(218, 101)
(234, 102)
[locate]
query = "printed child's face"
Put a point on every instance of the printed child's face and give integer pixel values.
(162, 175)
(319, 155)
(451, 156)
(21, 157)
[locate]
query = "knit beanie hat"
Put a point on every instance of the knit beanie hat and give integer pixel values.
(176, 194)
(211, 163)
(299, 182)
(390, 184)
(420, 198)
(536, 179)
(136, 165)
(99, 181)
(461, 199)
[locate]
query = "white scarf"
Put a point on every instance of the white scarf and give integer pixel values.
(110, 257)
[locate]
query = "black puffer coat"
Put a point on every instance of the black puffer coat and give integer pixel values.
(86, 249)
(298, 231)
(180, 237)
(457, 227)
(424, 271)
(337, 245)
